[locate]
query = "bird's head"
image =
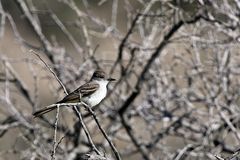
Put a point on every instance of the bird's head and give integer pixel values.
(101, 75)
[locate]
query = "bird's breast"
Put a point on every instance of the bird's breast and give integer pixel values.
(95, 98)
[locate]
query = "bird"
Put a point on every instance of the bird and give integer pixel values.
(91, 93)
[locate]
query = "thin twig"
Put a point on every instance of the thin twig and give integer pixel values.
(55, 135)
(86, 131)
(51, 70)
(103, 132)
(59, 142)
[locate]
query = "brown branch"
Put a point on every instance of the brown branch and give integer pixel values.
(141, 79)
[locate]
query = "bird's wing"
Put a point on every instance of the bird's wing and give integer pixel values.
(88, 88)
(85, 90)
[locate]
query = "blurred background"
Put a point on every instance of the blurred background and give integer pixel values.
(177, 66)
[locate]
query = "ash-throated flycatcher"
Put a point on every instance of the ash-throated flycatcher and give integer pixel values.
(91, 93)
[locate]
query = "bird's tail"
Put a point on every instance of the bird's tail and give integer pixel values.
(43, 111)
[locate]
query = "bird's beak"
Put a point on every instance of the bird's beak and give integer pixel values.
(111, 79)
